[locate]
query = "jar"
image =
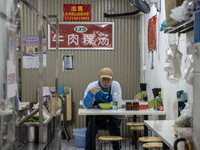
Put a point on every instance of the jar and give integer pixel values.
(135, 105)
(129, 106)
(161, 107)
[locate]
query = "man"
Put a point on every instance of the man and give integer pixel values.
(102, 91)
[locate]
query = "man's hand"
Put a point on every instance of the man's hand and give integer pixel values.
(95, 90)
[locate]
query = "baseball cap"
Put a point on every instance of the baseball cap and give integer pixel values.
(106, 73)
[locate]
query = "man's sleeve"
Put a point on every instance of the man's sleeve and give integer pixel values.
(88, 99)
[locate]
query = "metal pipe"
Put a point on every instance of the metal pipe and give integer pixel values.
(36, 12)
(40, 81)
(28, 116)
(57, 56)
(41, 17)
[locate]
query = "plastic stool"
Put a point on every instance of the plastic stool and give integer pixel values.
(149, 139)
(109, 138)
(152, 145)
(138, 128)
(134, 123)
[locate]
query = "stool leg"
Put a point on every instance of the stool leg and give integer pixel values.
(129, 139)
(101, 144)
(138, 144)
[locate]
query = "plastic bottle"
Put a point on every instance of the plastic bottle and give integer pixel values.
(159, 101)
(115, 101)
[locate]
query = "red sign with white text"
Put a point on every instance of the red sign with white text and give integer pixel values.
(152, 33)
(76, 12)
(95, 35)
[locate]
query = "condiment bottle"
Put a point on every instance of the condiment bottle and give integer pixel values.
(135, 105)
(129, 106)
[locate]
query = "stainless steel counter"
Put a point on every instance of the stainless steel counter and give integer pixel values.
(29, 134)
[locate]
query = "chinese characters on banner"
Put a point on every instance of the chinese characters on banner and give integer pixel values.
(76, 12)
(152, 34)
(94, 35)
(30, 52)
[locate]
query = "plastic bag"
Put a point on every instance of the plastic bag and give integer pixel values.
(185, 119)
(182, 12)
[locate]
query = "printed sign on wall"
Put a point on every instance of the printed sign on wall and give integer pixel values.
(95, 35)
(30, 52)
(76, 12)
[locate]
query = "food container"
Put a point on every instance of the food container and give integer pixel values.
(142, 107)
(135, 105)
(129, 106)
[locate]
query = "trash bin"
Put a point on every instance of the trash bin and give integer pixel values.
(79, 137)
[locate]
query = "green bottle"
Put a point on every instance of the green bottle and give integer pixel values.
(159, 100)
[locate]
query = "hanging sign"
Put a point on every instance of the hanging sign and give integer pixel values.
(93, 35)
(152, 34)
(76, 12)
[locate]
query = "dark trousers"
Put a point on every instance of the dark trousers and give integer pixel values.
(103, 122)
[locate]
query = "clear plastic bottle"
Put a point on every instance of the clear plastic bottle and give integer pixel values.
(115, 101)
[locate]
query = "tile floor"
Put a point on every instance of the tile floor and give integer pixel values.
(69, 145)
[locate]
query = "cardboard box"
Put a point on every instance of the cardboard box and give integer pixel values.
(169, 5)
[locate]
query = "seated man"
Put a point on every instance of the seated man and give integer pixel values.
(102, 91)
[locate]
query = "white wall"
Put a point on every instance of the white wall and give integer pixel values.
(157, 77)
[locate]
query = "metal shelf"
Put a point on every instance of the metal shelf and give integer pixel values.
(183, 27)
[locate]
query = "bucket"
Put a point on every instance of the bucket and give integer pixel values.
(79, 137)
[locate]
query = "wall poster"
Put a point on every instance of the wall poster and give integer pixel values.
(85, 35)
(30, 52)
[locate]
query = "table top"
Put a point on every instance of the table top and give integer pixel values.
(164, 129)
(121, 111)
(123, 102)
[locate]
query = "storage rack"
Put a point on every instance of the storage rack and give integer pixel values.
(183, 27)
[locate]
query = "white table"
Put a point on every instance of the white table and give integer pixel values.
(122, 111)
(164, 129)
(123, 102)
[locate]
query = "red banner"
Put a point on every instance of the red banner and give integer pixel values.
(152, 34)
(93, 35)
(76, 12)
